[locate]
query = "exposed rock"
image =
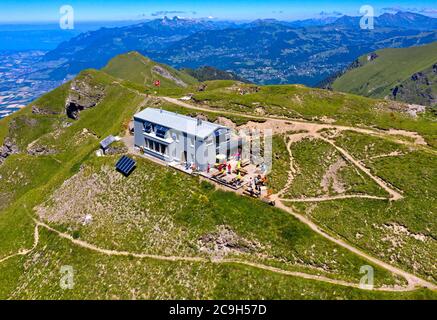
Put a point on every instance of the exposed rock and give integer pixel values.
(330, 178)
(260, 110)
(9, 147)
(116, 150)
(372, 56)
(225, 241)
(202, 87)
(82, 96)
(226, 122)
(166, 74)
(40, 151)
(41, 111)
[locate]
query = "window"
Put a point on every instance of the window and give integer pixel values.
(163, 148)
(148, 127)
(161, 131)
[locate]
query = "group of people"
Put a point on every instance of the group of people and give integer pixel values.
(227, 169)
(258, 182)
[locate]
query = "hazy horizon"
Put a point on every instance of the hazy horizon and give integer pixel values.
(37, 11)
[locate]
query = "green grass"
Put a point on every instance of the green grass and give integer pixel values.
(98, 276)
(128, 215)
(138, 69)
(393, 66)
(211, 116)
(366, 147)
(312, 160)
(313, 104)
(189, 213)
(402, 232)
(281, 164)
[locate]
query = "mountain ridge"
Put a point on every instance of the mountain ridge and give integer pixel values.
(273, 45)
(407, 74)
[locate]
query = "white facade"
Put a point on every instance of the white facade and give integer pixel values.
(173, 137)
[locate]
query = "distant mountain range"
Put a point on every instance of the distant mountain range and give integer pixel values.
(408, 75)
(263, 51)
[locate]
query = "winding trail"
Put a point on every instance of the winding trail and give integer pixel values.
(308, 125)
(307, 276)
(337, 197)
(394, 195)
(413, 281)
(292, 170)
(24, 252)
(313, 129)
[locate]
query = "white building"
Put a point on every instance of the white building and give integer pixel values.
(173, 137)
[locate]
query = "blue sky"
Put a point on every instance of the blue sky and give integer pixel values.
(89, 10)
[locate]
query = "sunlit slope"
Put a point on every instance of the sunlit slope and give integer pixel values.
(378, 77)
(134, 67)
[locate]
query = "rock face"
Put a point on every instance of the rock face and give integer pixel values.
(40, 151)
(116, 150)
(164, 73)
(225, 241)
(82, 96)
(41, 111)
(9, 147)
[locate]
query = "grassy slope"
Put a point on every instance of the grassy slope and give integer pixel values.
(411, 245)
(102, 277)
(138, 69)
(128, 215)
(312, 104)
(392, 67)
(312, 158)
(76, 150)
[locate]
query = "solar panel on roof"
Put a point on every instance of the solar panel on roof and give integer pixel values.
(125, 165)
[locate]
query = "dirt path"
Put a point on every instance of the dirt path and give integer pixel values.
(24, 252)
(394, 195)
(413, 281)
(312, 129)
(330, 198)
(108, 252)
(307, 125)
(292, 170)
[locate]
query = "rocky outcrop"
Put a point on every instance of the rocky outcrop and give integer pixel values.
(40, 151)
(225, 241)
(83, 95)
(372, 56)
(166, 74)
(42, 111)
(9, 147)
(116, 150)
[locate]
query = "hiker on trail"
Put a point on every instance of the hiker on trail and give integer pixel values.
(229, 168)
